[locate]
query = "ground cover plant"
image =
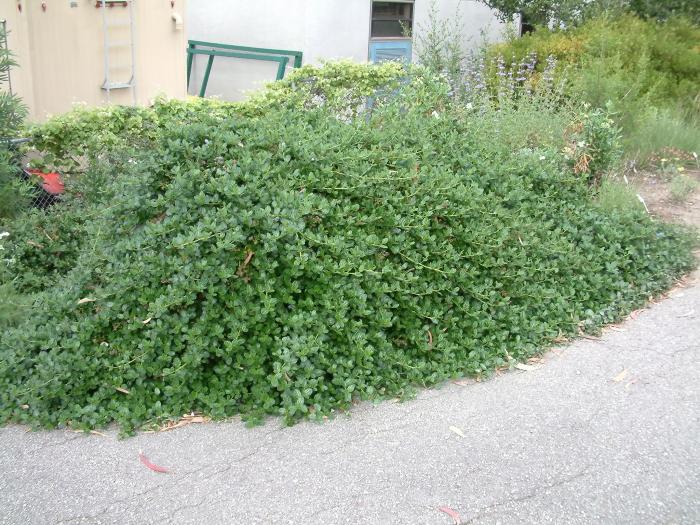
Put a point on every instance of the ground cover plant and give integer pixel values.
(290, 255)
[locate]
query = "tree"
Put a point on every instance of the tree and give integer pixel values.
(541, 12)
(661, 10)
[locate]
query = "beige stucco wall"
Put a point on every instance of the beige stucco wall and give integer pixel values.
(60, 51)
(18, 42)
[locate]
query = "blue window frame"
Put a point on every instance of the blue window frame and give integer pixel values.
(384, 50)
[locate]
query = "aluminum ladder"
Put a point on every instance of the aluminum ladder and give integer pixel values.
(119, 40)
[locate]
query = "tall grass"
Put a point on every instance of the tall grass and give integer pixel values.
(658, 129)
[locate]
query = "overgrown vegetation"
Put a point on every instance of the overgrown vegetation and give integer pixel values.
(647, 72)
(682, 187)
(297, 252)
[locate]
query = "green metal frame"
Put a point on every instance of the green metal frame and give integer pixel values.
(281, 56)
(298, 55)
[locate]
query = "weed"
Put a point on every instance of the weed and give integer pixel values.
(682, 187)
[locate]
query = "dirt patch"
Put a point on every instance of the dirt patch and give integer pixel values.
(655, 190)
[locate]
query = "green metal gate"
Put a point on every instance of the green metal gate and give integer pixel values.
(213, 49)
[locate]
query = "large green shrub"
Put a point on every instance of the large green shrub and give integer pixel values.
(288, 261)
(93, 146)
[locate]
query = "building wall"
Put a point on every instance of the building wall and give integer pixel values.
(322, 29)
(18, 42)
(60, 51)
(475, 18)
(262, 23)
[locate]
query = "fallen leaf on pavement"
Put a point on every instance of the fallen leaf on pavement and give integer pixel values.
(457, 431)
(526, 368)
(460, 382)
(634, 314)
(187, 419)
(452, 514)
(93, 432)
(152, 466)
(622, 375)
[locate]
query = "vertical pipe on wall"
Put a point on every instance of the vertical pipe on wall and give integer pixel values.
(106, 48)
(132, 28)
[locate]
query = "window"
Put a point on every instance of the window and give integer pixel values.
(391, 19)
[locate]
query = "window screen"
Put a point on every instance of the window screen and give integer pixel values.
(391, 19)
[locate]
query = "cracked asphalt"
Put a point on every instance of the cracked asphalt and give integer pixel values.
(604, 431)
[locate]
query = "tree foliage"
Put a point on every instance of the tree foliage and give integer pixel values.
(569, 12)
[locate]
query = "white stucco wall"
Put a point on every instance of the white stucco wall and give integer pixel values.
(259, 23)
(322, 29)
(474, 18)
(336, 29)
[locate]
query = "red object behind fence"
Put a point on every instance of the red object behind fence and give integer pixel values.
(51, 182)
